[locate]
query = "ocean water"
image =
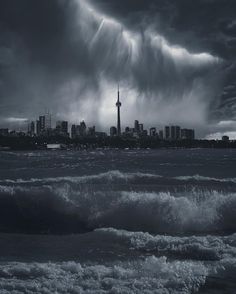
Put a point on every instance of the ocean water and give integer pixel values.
(118, 221)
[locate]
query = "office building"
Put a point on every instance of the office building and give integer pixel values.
(187, 134)
(113, 131)
(161, 135)
(42, 123)
(140, 128)
(73, 131)
(62, 128)
(177, 132)
(153, 132)
(31, 128)
(167, 132)
(136, 126)
(82, 129)
(91, 131)
(172, 133)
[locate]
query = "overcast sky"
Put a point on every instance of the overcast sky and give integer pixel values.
(174, 60)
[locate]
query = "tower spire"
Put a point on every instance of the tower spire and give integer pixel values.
(118, 105)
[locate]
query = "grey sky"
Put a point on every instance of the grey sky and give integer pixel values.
(174, 60)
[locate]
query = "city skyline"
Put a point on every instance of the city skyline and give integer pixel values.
(43, 126)
(171, 68)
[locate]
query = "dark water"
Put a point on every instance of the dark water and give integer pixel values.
(137, 221)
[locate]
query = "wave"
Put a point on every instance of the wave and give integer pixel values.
(208, 247)
(151, 275)
(65, 209)
(203, 178)
(143, 275)
(107, 176)
(116, 176)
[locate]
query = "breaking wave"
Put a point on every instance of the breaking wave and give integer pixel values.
(202, 178)
(107, 176)
(145, 275)
(118, 176)
(151, 275)
(207, 247)
(64, 209)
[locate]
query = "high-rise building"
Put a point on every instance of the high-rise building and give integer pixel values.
(79, 130)
(167, 132)
(48, 121)
(140, 127)
(42, 123)
(73, 131)
(37, 127)
(113, 131)
(153, 132)
(62, 128)
(31, 128)
(127, 130)
(91, 131)
(118, 105)
(82, 129)
(177, 132)
(136, 126)
(187, 134)
(172, 133)
(161, 135)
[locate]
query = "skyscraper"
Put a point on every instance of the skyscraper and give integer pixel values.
(172, 133)
(167, 132)
(113, 131)
(118, 105)
(42, 124)
(62, 128)
(187, 134)
(31, 128)
(153, 132)
(136, 126)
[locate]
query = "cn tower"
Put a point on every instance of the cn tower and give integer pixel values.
(118, 105)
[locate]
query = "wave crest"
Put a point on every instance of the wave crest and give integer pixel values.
(66, 209)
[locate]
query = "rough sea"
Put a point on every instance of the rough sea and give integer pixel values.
(118, 221)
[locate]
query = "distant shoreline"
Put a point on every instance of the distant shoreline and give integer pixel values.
(91, 143)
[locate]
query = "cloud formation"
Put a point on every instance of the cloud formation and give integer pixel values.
(71, 60)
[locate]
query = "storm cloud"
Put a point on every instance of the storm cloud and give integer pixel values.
(171, 62)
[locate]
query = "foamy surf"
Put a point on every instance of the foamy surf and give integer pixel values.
(151, 275)
(162, 212)
(159, 221)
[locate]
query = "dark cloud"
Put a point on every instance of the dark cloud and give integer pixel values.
(172, 58)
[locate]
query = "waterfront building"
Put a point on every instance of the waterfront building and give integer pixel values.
(187, 134)
(136, 126)
(113, 131)
(153, 132)
(62, 128)
(91, 131)
(161, 135)
(172, 133)
(167, 132)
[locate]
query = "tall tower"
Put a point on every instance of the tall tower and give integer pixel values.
(118, 105)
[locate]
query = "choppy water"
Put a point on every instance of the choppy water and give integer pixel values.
(137, 221)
